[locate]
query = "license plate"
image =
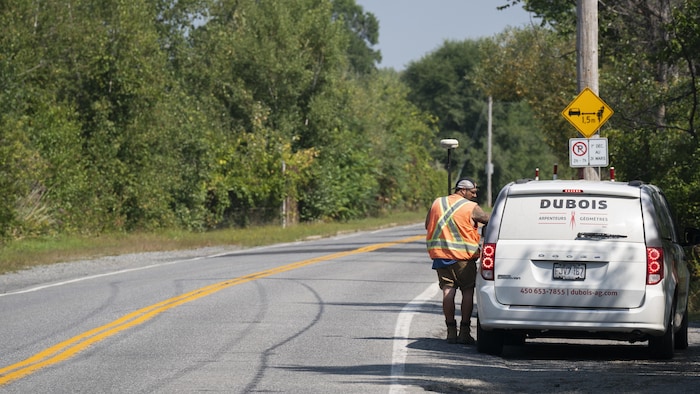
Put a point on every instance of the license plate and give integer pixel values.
(566, 271)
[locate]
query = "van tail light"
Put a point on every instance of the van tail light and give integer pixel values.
(488, 255)
(655, 265)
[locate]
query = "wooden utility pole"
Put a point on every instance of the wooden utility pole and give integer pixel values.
(587, 45)
(587, 59)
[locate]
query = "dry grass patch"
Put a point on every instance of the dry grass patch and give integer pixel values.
(34, 252)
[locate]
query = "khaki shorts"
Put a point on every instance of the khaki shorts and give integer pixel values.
(460, 275)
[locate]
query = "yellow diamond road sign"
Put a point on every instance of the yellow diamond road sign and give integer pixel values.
(587, 112)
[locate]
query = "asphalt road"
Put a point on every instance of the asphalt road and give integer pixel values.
(358, 313)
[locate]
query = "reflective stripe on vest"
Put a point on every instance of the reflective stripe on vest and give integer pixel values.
(457, 248)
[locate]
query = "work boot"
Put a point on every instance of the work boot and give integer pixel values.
(464, 337)
(451, 331)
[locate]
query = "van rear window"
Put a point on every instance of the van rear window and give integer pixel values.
(558, 217)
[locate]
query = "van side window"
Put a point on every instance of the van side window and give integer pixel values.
(669, 217)
(663, 217)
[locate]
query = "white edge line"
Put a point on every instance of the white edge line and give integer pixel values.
(145, 267)
(401, 335)
(65, 282)
(62, 283)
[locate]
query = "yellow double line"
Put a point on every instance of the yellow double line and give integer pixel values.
(69, 348)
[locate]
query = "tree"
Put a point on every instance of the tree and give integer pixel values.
(448, 85)
(374, 153)
(101, 120)
(536, 66)
(648, 77)
(199, 114)
(42, 176)
(363, 33)
(260, 66)
(440, 85)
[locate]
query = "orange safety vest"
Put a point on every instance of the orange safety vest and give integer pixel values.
(451, 234)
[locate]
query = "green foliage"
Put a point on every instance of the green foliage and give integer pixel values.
(363, 33)
(519, 146)
(15, 167)
(199, 114)
(453, 84)
(440, 85)
(400, 135)
(60, 185)
(536, 66)
(375, 166)
(558, 14)
(692, 254)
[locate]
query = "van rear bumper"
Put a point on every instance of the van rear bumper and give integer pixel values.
(649, 318)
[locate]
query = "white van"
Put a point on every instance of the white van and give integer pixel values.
(582, 259)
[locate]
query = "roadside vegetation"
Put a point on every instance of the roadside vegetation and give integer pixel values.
(190, 118)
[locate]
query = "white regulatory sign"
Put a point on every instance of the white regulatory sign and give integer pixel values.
(588, 152)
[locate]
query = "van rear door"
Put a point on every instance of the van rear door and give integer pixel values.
(571, 250)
